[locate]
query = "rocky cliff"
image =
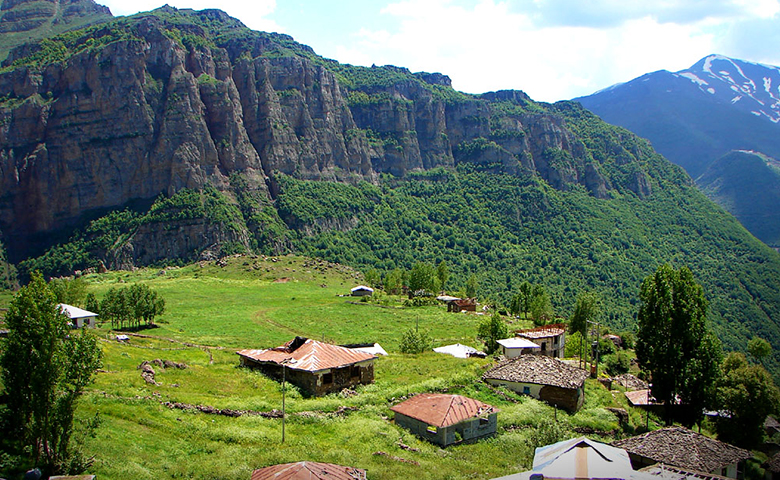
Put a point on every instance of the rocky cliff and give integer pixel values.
(169, 100)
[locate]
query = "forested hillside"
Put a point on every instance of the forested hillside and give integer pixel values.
(173, 136)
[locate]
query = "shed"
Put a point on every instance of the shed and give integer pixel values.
(550, 338)
(513, 347)
(315, 367)
(460, 351)
(462, 305)
(684, 448)
(308, 471)
(446, 419)
(580, 458)
(542, 377)
(362, 291)
(78, 316)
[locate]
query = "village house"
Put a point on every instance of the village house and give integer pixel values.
(550, 338)
(78, 316)
(772, 467)
(446, 419)
(580, 458)
(516, 346)
(686, 449)
(308, 471)
(317, 368)
(458, 305)
(542, 377)
(362, 291)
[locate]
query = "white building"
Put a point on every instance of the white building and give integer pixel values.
(78, 316)
(514, 347)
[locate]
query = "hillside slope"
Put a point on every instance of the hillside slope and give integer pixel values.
(695, 116)
(176, 135)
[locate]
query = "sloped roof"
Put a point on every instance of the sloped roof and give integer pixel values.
(659, 471)
(517, 342)
(538, 369)
(684, 448)
(361, 287)
(75, 312)
(442, 410)
(630, 382)
(308, 471)
(457, 350)
(641, 398)
(307, 354)
(773, 464)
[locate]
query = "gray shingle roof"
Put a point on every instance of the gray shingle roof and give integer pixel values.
(684, 448)
(538, 369)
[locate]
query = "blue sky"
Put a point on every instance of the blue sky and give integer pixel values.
(551, 49)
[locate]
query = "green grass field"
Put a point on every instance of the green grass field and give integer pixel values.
(256, 302)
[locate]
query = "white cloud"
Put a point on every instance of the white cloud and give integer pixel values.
(254, 14)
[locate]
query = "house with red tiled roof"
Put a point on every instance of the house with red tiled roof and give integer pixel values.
(317, 368)
(308, 471)
(446, 419)
(686, 449)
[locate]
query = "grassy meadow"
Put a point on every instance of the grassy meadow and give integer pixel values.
(260, 302)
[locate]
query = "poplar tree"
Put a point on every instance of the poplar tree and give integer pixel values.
(674, 343)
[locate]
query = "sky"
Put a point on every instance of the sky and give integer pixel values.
(551, 49)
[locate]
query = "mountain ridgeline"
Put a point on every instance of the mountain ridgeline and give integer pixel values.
(709, 115)
(177, 135)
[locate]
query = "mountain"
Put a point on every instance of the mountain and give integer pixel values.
(696, 116)
(23, 21)
(179, 135)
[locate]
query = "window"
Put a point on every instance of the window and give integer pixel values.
(544, 346)
(527, 390)
(327, 379)
(354, 371)
(483, 421)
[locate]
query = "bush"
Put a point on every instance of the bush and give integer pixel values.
(617, 364)
(416, 341)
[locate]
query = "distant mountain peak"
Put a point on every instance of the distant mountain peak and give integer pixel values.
(749, 86)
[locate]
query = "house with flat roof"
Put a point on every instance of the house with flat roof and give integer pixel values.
(542, 377)
(513, 347)
(446, 419)
(315, 367)
(550, 338)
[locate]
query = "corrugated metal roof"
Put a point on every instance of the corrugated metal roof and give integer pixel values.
(442, 410)
(311, 355)
(517, 342)
(75, 312)
(308, 471)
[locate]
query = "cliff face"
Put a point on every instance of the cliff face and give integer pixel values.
(180, 100)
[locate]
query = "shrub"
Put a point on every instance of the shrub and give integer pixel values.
(416, 341)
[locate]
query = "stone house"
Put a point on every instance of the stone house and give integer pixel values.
(317, 368)
(542, 377)
(308, 471)
(446, 419)
(462, 305)
(78, 316)
(550, 338)
(686, 449)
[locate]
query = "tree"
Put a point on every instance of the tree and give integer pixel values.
(491, 330)
(44, 368)
(394, 281)
(91, 303)
(372, 277)
(748, 393)
(422, 278)
(131, 305)
(541, 307)
(442, 273)
(71, 291)
(471, 286)
(759, 349)
(524, 298)
(673, 342)
(586, 309)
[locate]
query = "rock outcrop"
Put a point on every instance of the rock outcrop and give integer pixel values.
(131, 110)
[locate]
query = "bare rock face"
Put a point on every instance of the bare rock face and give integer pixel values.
(158, 108)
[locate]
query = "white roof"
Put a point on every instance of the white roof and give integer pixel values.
(457, 350)
(579, 458)
(517, 342)
(446, 298)
(75, 312)
(362, 287)
(375, 350)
